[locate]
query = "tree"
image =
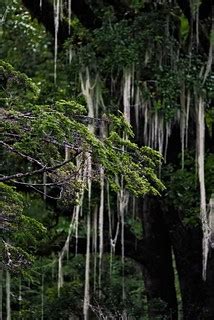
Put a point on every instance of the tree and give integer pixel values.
(165, 77)
(63, 154)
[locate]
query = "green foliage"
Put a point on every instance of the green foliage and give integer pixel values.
(135, 227)
(56, 123)
(128, 38)
(23, 40)
(69, 302)
(209, 173)
(15, 259)
(11, 202)
(41, 117)
(34, 232)
(15, 85)
(137, 4)
(182, 188)
(37, 134)
(183, 196)
(23, 232)
(148, 43)
(184, 28)
(209, 118)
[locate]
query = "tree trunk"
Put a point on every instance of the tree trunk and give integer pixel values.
(159, 274)
(209, 288)
(187, 247)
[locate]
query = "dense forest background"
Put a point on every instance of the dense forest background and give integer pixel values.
(106, 159)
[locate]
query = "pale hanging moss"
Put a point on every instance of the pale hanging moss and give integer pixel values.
(200, 156)
(56, 30)
(8, 295)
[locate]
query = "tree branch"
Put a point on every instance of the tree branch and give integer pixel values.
(31, 173)
(12, 149)
(205, 13)
(135, 249)
(45, 16)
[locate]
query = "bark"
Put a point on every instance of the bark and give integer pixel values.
(187, 247)
(159, 275)
(45, 16)
(209, 288)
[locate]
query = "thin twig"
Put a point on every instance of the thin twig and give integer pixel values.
(31, 173)
(12, 149)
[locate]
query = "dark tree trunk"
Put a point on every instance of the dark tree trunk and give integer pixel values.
(159, 274)
(187, 247)
(209, 288)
